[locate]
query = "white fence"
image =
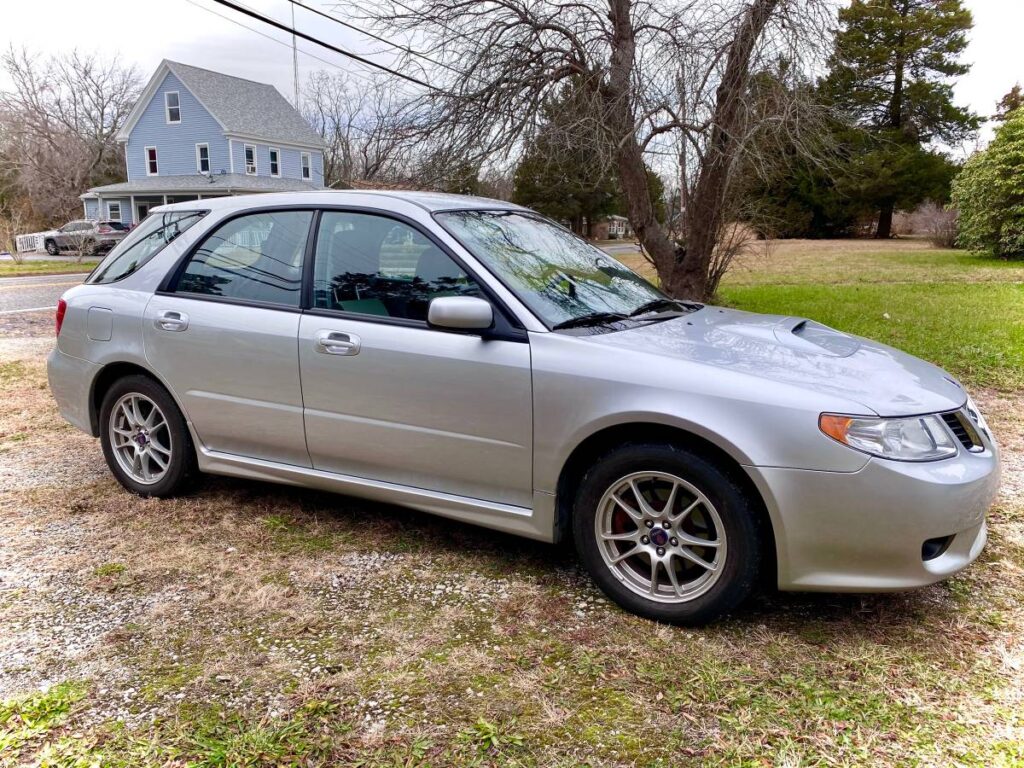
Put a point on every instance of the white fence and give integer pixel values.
(29, 243)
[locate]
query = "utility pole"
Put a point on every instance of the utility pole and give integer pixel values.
(295, 58)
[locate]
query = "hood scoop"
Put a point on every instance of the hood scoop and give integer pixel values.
(809, 336)
(797, 334)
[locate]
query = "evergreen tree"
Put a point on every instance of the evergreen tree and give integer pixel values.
(1010, 103)
(890, 73)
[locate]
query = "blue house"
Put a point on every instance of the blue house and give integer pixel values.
(195, 134)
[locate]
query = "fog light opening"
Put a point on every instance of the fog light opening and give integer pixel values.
(936, 547)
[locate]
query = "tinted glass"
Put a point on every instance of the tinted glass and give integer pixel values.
(254, 258)
(558, 275)
(374, 265)
(144, 242)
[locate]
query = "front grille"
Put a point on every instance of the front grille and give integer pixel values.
(964, 430)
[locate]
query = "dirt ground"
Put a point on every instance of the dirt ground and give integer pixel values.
(249, 624)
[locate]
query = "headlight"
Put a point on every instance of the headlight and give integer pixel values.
(915, 438)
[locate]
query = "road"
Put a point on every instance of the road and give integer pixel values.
(25, 294)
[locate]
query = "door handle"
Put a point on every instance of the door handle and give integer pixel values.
(171, 320)
(337, 343)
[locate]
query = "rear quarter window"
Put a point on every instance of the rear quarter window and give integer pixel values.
(144, 242)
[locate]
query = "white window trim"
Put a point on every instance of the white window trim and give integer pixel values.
(306, 161)
(255, 161)
(156, 156)
(275, 151)
(199, 164)
(167, 107)
(110, 216)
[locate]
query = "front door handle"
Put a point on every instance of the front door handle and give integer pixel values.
(172, 320)
(337, 343)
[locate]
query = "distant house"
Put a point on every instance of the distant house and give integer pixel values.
(610, 228)
(195, 134)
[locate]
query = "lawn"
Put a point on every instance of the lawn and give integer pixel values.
(255, 625)
(56, 267)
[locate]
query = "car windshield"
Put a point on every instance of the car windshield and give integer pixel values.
(563, 279)
(144, 242)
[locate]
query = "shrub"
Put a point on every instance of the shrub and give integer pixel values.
(939, 223)
(989, 193)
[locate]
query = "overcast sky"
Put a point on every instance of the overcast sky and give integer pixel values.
(191, 31)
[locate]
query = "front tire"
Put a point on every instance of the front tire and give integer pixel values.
(667, 534)
(145, 439)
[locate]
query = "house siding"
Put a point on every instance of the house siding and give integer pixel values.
(291, 167)
(175, 144)
(91, 206)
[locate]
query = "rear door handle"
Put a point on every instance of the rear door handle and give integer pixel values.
(172, 320)
(337, 343)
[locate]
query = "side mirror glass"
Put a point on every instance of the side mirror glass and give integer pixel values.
(461, 313)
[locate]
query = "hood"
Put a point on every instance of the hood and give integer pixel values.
(801, 353)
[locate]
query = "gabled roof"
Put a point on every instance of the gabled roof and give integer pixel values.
(242, 107)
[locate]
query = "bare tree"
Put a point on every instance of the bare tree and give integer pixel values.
(364, 126)
(12, 224)
(665, 78)
(59, 120)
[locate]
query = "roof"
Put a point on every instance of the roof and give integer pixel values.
(429, 201)
(241, 107)
(202, 184)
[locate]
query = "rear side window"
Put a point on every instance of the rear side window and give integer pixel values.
(144, 242)
(257, 257)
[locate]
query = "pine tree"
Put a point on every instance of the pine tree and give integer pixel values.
(890, 72)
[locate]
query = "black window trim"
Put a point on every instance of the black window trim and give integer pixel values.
(507, 326)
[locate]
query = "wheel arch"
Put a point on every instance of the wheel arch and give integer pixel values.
(604, 440)
(112, 372)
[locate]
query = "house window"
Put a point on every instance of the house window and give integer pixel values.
(275, 162)
(151, 164)
(114, 211)
(306, 166)
(173, 107)
(250, 159)
(203, 158)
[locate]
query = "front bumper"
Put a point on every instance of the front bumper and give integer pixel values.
(864, 531)
(71, 381)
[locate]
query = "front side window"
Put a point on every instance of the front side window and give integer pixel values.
(275, 162)
(257, 257)
(373, 265)
(556, 274)
(151, 165)
(143, 243)
(173, 107)
(250, 159)
(306, 165)
(203, 158)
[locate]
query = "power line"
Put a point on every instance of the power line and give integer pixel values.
(373, 36)
(310, 38)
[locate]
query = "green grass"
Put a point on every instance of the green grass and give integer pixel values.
(29, 268)
(30, 719)
(974, 330)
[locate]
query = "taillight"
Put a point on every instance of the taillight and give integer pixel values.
(62, 307)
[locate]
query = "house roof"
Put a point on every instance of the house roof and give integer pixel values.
(241, 107)
(201, 184)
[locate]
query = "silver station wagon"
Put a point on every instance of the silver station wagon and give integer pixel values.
(469, 358)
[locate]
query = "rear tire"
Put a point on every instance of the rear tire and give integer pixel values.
(647, 553)
(51, 247)
(145, 439)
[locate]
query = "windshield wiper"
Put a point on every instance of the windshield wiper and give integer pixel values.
(594, 318)
(666, 304)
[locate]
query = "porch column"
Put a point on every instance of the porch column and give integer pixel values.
(131, 208)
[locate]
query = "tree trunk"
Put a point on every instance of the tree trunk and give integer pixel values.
(884, 231)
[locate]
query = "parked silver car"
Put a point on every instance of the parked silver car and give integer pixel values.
(85, 236)
(472, 359)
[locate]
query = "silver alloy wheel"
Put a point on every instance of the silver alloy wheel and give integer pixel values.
(660, 536)
(140, 438)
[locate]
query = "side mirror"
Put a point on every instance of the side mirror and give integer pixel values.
(460, 313)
